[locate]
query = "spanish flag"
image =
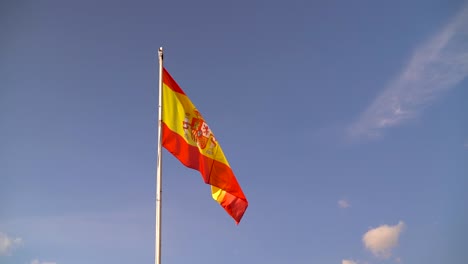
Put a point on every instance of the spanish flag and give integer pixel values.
(189, 138)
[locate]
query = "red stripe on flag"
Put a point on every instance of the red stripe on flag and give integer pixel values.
(169, 81)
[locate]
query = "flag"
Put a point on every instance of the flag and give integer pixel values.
(188, 137)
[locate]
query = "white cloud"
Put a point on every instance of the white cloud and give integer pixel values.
(381, 240)
(36, 261)
(343, 203)
(436, 66)
(7, 244)
(347, 261)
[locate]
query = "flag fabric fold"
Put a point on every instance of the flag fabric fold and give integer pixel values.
(188, 137)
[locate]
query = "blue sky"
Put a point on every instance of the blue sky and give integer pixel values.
(343, 122)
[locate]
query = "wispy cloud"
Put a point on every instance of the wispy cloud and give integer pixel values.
(36, 261)
(381, 240)
(435, 66)
(74, 229)
(343, 203)
(7, 244)
(348, 261)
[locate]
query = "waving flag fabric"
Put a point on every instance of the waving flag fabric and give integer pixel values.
(189, 138)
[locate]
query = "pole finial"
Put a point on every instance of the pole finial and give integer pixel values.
(160, 52)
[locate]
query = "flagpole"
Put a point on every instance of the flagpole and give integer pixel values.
(157, 256)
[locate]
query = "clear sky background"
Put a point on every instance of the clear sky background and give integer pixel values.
(344, 122)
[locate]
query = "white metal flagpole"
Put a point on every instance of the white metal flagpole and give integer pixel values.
(157, 256)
